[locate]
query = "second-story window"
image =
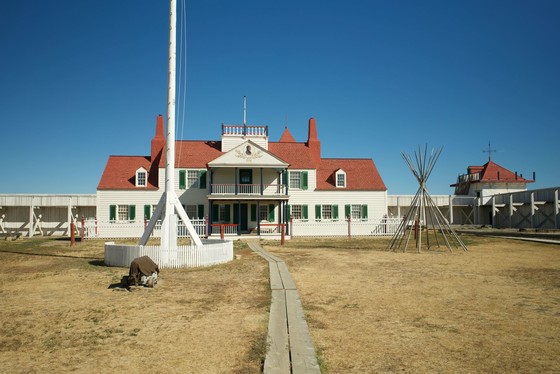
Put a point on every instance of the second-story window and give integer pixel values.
(298, 180)
(192, 178)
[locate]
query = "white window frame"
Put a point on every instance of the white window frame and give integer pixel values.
(141, 181)
(263, 213)
(327, 212)
(192, 179)
(297, 211)
(295, 180)
(123, 213)
(356, 211)
(340, 179)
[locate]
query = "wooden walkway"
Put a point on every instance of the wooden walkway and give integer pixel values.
(290, 346)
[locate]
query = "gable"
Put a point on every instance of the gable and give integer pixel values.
(248, 154)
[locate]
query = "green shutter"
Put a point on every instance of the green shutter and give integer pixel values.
(215, 212)
(304, 212)
(335, 211)
(112, 212)
(200, 211)
(347, 210)
(182, 179)
(202, 177)
(318, 212)
(228, 213)
(132, 212)
(147, 211)
(253, 212)
(287, 212)
(364, 211)
(236, 214)
(304, 180)
(271, 213)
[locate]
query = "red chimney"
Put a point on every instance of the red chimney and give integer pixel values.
(313, 142)
(158, 142)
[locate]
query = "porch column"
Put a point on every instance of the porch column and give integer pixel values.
(258, 217)
(210, 179)
(287, 181)
(210, 218)
(235, 180)
(262, 183)
(239, 217)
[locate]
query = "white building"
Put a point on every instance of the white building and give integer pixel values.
(244, 181)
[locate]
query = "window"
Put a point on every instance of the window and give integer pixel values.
(298, 179)
(340, 179)
(356, 211)
(295, 179)
(263, 213)
(192, 178)
(122, 213)
(296, 212)
(141, 177)
(326, 212)
(299, 212)
(191, 211)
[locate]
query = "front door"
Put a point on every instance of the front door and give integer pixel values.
(244, 218)
(241, 218)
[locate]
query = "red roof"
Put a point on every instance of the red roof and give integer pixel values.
(493, 173)
(361, 174)
(287, 137)
(120, 173)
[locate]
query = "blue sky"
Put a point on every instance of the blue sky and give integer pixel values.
(82, 80)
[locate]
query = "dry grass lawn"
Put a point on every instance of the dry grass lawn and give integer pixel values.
(495, 309)
(59, 314)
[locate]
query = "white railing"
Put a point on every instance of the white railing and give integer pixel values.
(247, 189)
(210, 253)
(94, 229)
(373, 227)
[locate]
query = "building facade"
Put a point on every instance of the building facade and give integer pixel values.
(244, 181)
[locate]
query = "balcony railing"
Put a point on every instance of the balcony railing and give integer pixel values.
(247, 189)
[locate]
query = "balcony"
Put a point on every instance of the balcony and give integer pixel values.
(231, 189)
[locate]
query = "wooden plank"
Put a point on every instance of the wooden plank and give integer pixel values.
(275, 278)
(277, 359)
(304, 359)
(287, 279)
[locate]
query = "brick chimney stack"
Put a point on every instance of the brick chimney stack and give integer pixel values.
(313, 142)
(158, 142)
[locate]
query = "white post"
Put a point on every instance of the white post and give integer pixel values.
(556, 210)
(170, 199)
(31, 207)
(450, 209)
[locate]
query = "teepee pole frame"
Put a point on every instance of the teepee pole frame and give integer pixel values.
(423, 212)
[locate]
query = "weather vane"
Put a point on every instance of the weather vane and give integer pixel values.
(489, 151)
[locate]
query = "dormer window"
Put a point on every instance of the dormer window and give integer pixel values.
(340, 179)
(141, 177)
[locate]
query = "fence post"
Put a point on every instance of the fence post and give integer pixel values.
(83, 228)
(96, 229)
(291, 228)
(349, 227)
(206, 227)
(72, 234)
(222, 231)
(283, 233)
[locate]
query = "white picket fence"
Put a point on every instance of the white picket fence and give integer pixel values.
(94, 229)
(212, 252)
(373, 227)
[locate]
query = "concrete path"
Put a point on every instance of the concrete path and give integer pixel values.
(290, 346)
